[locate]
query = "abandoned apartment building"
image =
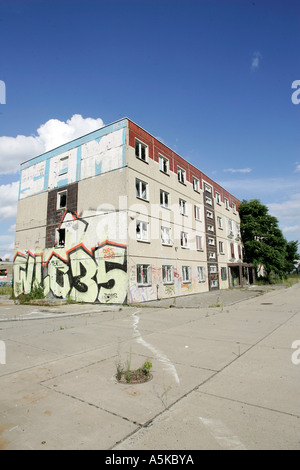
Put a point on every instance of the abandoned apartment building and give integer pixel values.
(116, 216)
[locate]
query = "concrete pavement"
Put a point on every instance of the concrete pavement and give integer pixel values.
(225, 375)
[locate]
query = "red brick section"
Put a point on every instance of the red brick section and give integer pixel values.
(156, 147)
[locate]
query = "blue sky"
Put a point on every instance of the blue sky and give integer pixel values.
(212, 79)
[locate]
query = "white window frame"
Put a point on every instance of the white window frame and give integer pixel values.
(218, 198)
(164, 198)
(139, 189)
(211, 241)
(184, 239)
(209, 214)
(186, 274)
(234, 207)
(226, 202)
(220, 222)
(166, 236)
(197, 213)
(167, 274)
(221, 247)
(201, 273)
(210, 228)
(143, 235)
(139, 146)
(145, 275)
(208, 200)
(182, 206)
(59, 197)
(199, 243)
(181, 175)
(196, 184)
(162, 162)
(207, 187)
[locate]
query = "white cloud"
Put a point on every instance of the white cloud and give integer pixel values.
(8, 200)
(238, 170)
(297, 168)
(51, 134)
(256, 58)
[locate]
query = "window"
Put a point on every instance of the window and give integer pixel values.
(234, 208)
(211, 241)
(212, 255)
(142, 231)
(220, 222)
(201, 273)
(164, 198)
(196, 184)
(62, 200)
(186, 274)
(141, 189)
(207, 188)
(208, 200)
(239, 251)
(197, 212)
(141, 150)
(63, 165)
(167, 274)
(213, 283)
(182, 207)
(199, 245)
(218, 198)
(61, 232)
(181, 175)
(224, 274)
(209, 214)
(221, 247)
(210, 228)
(184, 239)
(163, 164)
(226, 203)
(213, 269)
(232, 250)
(143, 274)
(166, 236)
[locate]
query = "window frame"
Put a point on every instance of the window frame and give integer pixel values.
(146, 198)
(142, 224)
(147, 282)
(141, 145)
(181, 175)
(60, 207)
(162, 158)
(167, 269)
(186, 270)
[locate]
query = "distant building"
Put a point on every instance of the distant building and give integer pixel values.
(118, 217)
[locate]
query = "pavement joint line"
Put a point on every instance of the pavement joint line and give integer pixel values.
(273, 410)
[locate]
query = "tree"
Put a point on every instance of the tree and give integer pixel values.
(264, 243)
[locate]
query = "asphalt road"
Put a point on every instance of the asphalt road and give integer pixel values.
(225, 368)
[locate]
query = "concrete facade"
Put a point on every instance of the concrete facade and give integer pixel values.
(118, 217)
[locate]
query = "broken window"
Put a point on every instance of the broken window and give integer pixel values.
(61, 237)
(62, 200)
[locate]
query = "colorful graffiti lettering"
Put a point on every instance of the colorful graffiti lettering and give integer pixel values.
(85, 276)
(73, 271)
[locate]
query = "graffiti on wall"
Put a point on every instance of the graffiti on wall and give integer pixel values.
(74, 271)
